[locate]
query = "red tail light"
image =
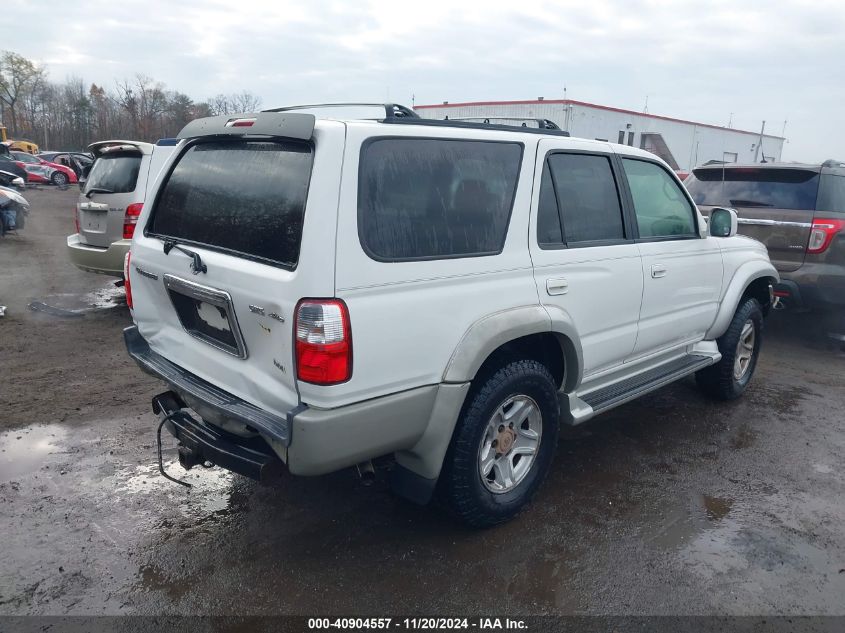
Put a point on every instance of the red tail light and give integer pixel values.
(323, 341)
(822, 234)
(126, 284)
(131, 219)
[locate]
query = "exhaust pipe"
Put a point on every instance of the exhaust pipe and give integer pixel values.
(366, 472)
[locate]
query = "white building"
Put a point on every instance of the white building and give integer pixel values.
(682, 144)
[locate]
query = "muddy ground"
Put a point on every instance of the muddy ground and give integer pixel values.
(671, 505)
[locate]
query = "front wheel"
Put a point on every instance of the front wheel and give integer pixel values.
(503, 445)
(740, 348)
(59, 179)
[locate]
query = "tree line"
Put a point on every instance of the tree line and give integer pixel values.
(72, 114)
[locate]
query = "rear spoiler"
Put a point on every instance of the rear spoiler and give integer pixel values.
(295, 125)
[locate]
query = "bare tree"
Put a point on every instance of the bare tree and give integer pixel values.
(18, 78)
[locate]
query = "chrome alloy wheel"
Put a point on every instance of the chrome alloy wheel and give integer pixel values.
(744, 350)
(510, 443)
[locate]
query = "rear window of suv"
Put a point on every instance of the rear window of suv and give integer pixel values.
(435, 198)
(752, 187)
(114, 173)
(243, 197)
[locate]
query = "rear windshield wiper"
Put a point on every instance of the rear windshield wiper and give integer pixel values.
(197, 265)
(97, 190)
(738, 202)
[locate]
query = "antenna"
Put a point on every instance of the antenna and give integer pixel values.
(730, 120)
(413, 100)
(645, 107)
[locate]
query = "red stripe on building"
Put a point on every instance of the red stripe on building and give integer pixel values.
(590, 105)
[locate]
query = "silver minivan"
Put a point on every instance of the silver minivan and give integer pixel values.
(110, 202)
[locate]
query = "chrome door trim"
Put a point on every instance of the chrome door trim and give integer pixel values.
(756, 222)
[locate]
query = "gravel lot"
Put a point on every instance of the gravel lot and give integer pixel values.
(670, 505)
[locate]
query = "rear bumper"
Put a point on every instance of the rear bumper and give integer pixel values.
(311, 441)
(817, 286)
(95, 259)
(205, 398)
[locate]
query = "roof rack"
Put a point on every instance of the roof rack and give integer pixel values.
(472, 125)
(544, 124)
(391, 110)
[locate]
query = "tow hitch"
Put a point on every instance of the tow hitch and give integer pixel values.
(202, 444)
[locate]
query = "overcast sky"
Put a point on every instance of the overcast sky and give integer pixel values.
(701, 60)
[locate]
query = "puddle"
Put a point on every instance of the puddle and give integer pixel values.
(24, 451)
(679, 525)
(716, 507)
(70, 305)
(210, 492)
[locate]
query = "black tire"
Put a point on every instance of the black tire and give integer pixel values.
(460, 486)
(719, 380)
(59, 178)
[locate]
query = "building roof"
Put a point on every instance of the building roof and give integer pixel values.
(590, 105)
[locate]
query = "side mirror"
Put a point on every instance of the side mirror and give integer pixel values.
(723, 222)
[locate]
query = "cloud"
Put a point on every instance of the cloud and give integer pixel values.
(704, 61)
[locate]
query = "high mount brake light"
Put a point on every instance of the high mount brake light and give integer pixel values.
(130, 220)
(323, 341)
(822, 233)
(240, 123)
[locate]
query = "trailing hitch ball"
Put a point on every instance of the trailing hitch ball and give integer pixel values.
(188, 458)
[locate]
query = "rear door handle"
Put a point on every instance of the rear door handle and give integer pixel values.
(557, 286)
(658, 270)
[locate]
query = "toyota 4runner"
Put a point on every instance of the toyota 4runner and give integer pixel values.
(319, 291)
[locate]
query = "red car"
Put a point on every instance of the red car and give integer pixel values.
(40, 170)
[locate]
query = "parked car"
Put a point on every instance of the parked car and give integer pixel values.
(8, 179)
(798, 212)
(13, 210)
(323, 292)
(110, 203)
(8, 164)
(22, 146)
(79, 162)
(59, 175)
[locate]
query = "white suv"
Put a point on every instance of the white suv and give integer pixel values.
(325, 291)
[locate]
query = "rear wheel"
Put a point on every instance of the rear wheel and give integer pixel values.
(740, 347)
(503, 445)
(59, 179)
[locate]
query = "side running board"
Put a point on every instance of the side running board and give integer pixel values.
(621, 392)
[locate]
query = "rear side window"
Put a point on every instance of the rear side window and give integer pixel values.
(587, 199)
(832, 193)
(753, 187)
(114, 173)
(244, 197)
(432, 198)
(662, 208)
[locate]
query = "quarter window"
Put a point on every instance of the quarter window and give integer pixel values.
(662, 208)
(587, 200)
(435, 198)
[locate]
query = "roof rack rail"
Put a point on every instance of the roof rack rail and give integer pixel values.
(391, 110)
(830, 162)
(473, 125)
(544, 124)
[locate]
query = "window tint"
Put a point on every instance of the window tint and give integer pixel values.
(548, 219)
(754, 187)
(662, 208)
(588, 199)
(116, 173)
(26, 158)
(427, 198)
(247, 197)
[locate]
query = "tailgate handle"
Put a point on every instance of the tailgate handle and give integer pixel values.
(93, 206)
